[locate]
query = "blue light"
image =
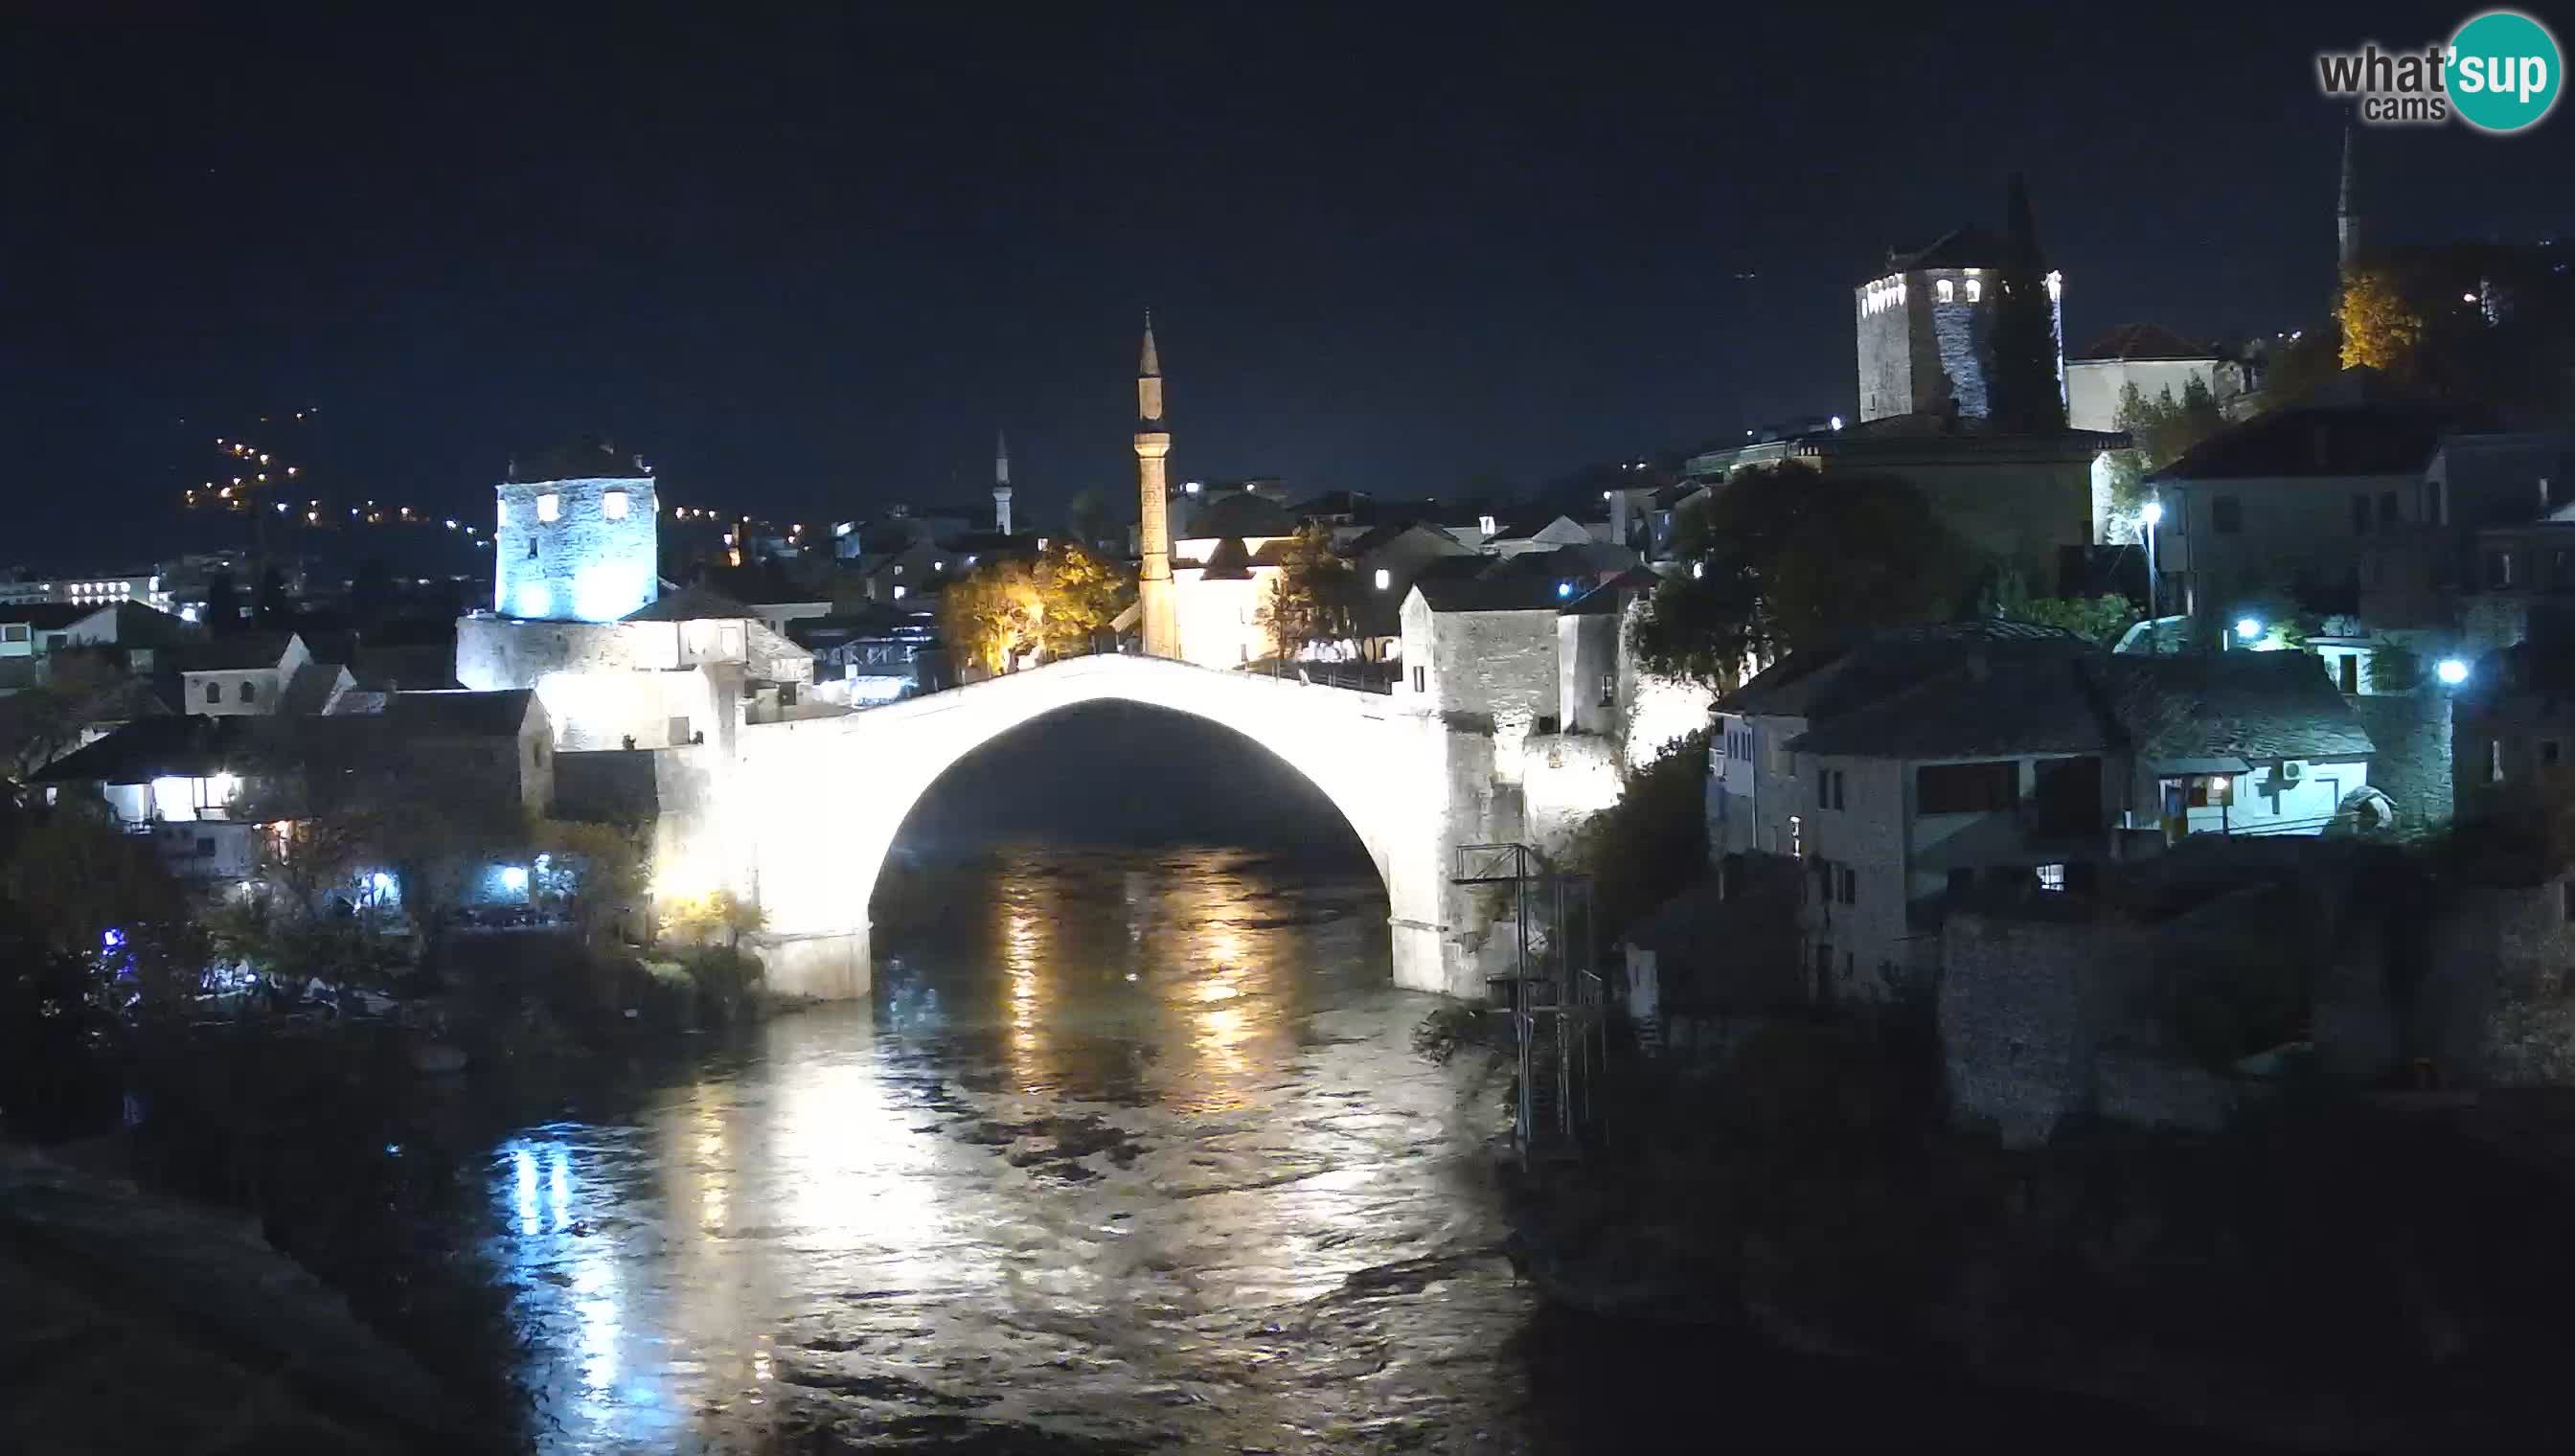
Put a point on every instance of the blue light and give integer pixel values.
(2247, 628)
(381, 882)
(514, 877)
(2452, 672)
(113, 939)
(1563, 589)
(533, 600)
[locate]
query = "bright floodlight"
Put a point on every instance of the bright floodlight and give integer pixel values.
(2154, 513)
(2247, 628)
(2451, 672)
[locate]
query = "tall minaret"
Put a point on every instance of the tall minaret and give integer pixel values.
(1159, 616)
(1000, 483)
(2347, 210)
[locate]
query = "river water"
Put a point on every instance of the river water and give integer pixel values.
(1129, 1151)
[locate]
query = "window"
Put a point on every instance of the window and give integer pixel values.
(1946, 290)
(612, 505)
(1796, 837)
(2209, 790)
(1484, 524)
(214, 692)
(1384, 579)
(2226, 515)
(13, 631)
(899, 591)
(2349, 667)
(2389, 513)
(2494, 761)
(1975, 290)
(250, 691)
(1845, 884)
(1609, 689)
(550, 507)
(2359, 515)
(1420, 680)
(2499, 574)
(1951, 788)
(1829, 788)
(2561, 570)
(2051, 878)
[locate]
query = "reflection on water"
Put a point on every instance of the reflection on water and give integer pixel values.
(1113, 1156)
(1128, 1152)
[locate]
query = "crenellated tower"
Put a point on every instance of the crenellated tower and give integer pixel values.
(1158, 619)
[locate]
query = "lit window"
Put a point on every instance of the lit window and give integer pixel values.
(2052, 877)
(1384, 579)
(505, 513)
(1947, 290)
(1975, 290)
(612, 504)
(1420, 680)
(550, 507)
(899, 591)
(1484, 524)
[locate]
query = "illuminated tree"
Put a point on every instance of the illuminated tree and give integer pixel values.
(1006, 608)
(1080, 595)
(699, 919)
(1315, 596)
(2380, 328)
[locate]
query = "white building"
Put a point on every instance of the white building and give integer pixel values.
(2156, 360)
(1922, 770)
(577, 539)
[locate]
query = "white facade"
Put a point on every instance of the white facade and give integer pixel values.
(2093, 386)
(234, 692)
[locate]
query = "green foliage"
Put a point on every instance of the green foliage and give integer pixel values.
(1315, 597)
(1780, 556)
(1056, 605)
(2163, 430)
(595, 873)
(91, 895)
(2098, 619)
(1653, 843)
(42, 722)
(699, 919)
(2394, 667)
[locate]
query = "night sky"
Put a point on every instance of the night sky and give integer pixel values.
(808, 263)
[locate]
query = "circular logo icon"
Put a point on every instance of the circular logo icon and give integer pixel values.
(2505, 71)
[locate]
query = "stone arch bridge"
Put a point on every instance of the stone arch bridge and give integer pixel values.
(804, 815)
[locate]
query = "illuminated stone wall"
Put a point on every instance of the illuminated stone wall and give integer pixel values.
(810, 810)
(593, 560)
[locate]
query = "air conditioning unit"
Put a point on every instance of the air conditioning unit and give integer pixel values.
(2291, 770)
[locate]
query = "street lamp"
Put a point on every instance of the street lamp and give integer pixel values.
(2451, 671)
(2248, 628)
(2153, 516)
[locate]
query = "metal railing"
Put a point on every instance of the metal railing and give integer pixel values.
(1553, 994)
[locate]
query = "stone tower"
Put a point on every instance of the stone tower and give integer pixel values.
(1157, 616)
(2346, 211)
(1000, 483)
(577, 536)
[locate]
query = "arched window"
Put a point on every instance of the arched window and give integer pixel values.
(214, 692)
(250, 691)
(1947, 290)
(1975, 290)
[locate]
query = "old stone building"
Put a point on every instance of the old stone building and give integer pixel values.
(577, 537)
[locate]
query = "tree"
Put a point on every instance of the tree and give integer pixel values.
(91, 893)
(45, 721)
(2026, 395)
(1006, 606)
(274, 608)
(1088, 521)
(1313, 599)
(2099, 618)
(223, 602)
(1650, 844)
(2163, 430)
(594, 872)
(2381, 330)
(1080, 593)
(989, 616)
(699, 919)
(1782, 557)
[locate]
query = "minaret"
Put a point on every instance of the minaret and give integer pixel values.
(1000, 483)
(1157, 616)
(2347, 212)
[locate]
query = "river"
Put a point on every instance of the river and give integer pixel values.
(1129, 1151)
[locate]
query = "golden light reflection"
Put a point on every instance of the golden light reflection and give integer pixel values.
(1026, 951)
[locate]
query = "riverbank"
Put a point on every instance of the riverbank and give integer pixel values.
(139, 1324)
(2330, 1275)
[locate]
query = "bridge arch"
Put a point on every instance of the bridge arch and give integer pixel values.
(811, 807)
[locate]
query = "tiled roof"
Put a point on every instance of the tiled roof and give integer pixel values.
(1973, 708)
(46, 615)
(1226, 561)
(179, 744)
(593, 460)
(2145, 342)
(235, 654)
(2251, 706)
(1820, 681)
(459, 713)
(310, 688)
(1613, 595)
(1243, 514)
(1510, 591)
(2378, 439)
(690, 603)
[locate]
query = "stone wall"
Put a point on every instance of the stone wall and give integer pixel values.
(583, 565)
(2412, 763)
(1565, 779)
(1496, 668)
(2496, 1007)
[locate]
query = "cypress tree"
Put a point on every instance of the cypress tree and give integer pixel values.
(2021, 369)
